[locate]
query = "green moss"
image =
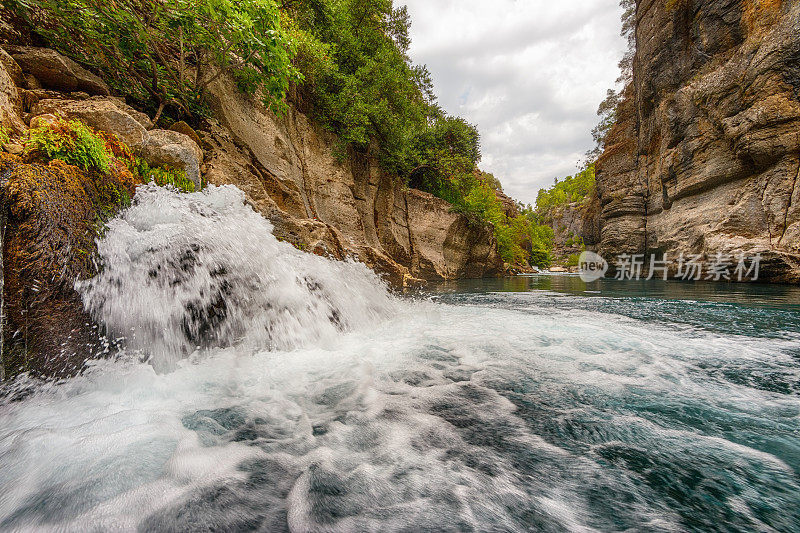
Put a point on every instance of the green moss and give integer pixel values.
(162, 176)
(70, 141)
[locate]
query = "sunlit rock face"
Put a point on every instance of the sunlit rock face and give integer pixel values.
(338, 207)
(705, 156)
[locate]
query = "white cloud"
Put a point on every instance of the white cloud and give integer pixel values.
(529, 73)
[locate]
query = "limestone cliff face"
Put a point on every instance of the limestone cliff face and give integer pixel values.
(571, 225)
(287, 167)
(705, 156)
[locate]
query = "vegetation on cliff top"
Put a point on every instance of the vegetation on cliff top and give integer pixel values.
(165, 54)
(572, 189)
(348, 59)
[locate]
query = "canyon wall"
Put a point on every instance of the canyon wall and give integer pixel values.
(338, 206)
(705, 155)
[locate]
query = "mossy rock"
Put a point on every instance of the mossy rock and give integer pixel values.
(54, 212)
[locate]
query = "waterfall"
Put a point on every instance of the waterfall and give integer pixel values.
(187, 272)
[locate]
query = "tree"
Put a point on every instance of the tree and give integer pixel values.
(607, 111)
(164, 54)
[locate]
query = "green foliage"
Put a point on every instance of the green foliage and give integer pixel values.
(491, 181)
(358, 76)
(442, 159)
(4, 136)
(162, 176)
(166, 53)
(607, 111)
(572, 260)
(72, 142)
(573, 189)
(540, 237)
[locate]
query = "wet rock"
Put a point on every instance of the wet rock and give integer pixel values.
(49, 239)
(56, 71)
(172, 149)
(105, 114)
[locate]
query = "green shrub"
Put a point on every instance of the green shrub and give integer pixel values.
(70, 141)
(162, 176)
(540, 258)
(165, 54)
(572, 189)
(358, 76)
(4, 137)
(572, 260)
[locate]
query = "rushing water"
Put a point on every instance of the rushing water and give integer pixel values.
(266, 389)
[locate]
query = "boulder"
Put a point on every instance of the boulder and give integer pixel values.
(104, 114)
(172, 149)
(55, 71)
(42, 120)
(10, 103)
(13, 148)
(183, 127)
(11, 67)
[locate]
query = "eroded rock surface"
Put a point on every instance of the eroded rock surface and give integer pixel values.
(55, 71)
(339, 208)
(705, 156)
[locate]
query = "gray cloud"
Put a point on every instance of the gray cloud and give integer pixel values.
(529, 73)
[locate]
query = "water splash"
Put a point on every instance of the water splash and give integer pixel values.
(182, 272)
(492, 411)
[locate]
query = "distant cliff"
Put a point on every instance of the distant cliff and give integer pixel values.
(705, 155)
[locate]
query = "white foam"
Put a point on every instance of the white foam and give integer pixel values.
(405, 415)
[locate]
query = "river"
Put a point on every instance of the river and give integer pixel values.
(266, 389)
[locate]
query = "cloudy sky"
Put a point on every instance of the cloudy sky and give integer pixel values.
(529, 73)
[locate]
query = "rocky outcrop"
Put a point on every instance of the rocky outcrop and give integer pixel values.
(55, 71)
(106, 114)
(705, 156)
(347, 207)
(165, 148)
(568, 223)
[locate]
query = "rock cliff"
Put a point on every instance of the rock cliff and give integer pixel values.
(338, 207)
(705, 155)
